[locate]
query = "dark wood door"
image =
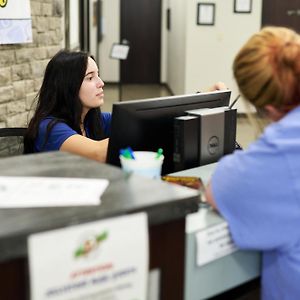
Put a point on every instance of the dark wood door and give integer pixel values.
(281, 13)
(141, 26)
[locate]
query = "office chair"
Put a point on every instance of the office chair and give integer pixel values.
(11, 141)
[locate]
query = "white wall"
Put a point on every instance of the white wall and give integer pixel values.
(210, 50)
(93, 28)
(176, 43)
(74, 24)
(164, 34)
(109, 68)
(192, 57)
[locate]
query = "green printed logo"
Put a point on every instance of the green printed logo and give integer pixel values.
(3, 3)
(90, 244)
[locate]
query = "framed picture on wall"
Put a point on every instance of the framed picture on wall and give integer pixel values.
(206, 14)
(242, 6)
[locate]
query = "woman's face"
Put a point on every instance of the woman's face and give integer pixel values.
(91, 90)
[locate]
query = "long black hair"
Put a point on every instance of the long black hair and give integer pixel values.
(59, 98)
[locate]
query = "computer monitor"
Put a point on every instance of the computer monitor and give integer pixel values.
(148, 124)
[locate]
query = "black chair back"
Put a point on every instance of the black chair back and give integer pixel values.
(11, 141)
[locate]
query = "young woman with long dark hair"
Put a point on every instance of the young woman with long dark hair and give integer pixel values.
(68, 115)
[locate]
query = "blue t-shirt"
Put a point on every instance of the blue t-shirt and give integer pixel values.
(258, 192)
(61, 131)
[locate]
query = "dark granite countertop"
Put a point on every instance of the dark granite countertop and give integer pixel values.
(125, 194)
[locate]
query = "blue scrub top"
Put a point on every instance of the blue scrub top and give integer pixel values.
(61, 131)
(258, 193)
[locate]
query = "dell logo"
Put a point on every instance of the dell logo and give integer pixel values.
(213, 145)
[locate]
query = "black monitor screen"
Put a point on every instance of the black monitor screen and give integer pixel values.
(148, 124)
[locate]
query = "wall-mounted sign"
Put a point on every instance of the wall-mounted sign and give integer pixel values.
(14, 9)
(119, 51)
(15, 22)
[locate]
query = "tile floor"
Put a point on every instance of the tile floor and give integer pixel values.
(246, 133)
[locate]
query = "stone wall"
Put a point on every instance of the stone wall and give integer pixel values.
(22, 65)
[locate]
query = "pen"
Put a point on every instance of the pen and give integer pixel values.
(159, 153)
(127, 153)
(130, 151)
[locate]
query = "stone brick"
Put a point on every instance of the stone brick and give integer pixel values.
(30, 116)
(47, 9)
(18, 120)
(59, 36)
(44, 39)
(29, 85)
(20, 72)
(53, 50)
(38, 68)
(42, 24)
(55, 23)
(34, 23)
(38, 83)
(3, 112)
(35, 8)
(31, 101)
(58, 8)
(6, 93)
(7, 58)
(34, 38)
(19, 90)
(24, 55)
(5, 76)
(40, 53)
(56, 37)
(16, 107)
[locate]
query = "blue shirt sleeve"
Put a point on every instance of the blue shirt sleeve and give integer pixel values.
(59, 133)
(106, 121)
(253, 191)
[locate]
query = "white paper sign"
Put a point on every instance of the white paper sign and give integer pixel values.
(214, 242)
(15, 22)
(15, 31)
(15, 9)
(100, 260)
(50, 191)
(119, 51)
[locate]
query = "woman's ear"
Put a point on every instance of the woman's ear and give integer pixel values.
(273, 113)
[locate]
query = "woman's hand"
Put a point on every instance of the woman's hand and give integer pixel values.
(218, 86)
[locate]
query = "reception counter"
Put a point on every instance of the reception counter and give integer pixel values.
(166, 207)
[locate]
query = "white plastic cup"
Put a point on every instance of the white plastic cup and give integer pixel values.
(145, 164)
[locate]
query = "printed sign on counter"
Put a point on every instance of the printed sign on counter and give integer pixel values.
(214, 242)
(106, 259)
(31, 191)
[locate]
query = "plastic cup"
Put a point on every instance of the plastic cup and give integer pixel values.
(145, 164)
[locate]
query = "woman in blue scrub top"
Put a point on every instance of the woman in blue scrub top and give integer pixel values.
(258, 190)
(68, 115)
